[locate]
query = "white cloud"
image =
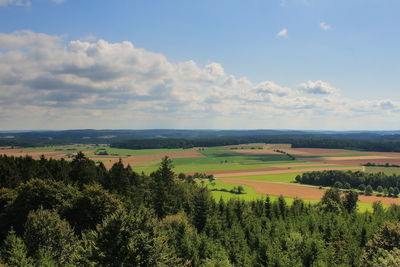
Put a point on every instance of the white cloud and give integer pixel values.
(283, 33)
(23, 2)
(325, 26)
(46, 84)
(15, 2)
(318, 87)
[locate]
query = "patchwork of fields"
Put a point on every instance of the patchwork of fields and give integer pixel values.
(260, 168)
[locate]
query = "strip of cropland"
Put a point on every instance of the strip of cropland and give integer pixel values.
(300, 191)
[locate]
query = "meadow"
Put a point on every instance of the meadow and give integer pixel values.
(385, 170)
(248, 162)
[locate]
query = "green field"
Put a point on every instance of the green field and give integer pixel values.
(385, 170)
(217, 159)
(250, 194)
(332, 155)
(280, 178)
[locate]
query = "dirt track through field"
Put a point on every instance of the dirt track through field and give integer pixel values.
(238, 173)
(300, 191)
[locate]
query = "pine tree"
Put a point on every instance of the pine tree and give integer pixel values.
(201, 209)
(14, 251)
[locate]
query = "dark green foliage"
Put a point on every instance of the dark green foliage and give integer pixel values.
(349, 179)
(350, 201)
(37, 194)
(83, 170)
(361, 187)
(368, 190)
(201, 209)
(120, 179)
(163, 178)
(91, 207)
(331, 201)
(97, 217)
(305, 140)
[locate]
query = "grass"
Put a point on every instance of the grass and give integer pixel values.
(385, 170)
(280, 178)
(220, 158)
(332, 155)
(322, 166)
(251, 195)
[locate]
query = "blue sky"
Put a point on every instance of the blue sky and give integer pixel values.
(294, 64)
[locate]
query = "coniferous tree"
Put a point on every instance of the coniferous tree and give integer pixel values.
(350, 201)
(45, 230)
(14, 251)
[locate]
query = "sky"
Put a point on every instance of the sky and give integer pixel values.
(210, 64)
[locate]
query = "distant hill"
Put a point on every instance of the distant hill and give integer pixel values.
(88, 136)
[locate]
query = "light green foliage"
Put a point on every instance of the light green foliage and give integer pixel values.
(131, 239)
(384, 246)
(182, 236)
(385, 258)
(14, 251)
(385, 170)
(45, 230)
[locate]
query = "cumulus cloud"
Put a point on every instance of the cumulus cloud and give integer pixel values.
(283, 33)
(46, 82)
(15, 2)
(23, 2)
(318, 87)
(324, 26)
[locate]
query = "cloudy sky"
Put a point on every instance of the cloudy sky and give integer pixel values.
(226, 64)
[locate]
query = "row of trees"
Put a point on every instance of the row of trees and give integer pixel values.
(296, 141)
(78, 214)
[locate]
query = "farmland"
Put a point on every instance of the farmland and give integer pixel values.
(261, 168)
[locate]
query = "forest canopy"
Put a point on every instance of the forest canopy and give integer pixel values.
(78, 213)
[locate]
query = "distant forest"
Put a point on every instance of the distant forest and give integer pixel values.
(365, 145)
(78, 213)
(140, 139)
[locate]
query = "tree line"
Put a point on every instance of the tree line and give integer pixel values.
(353, 180)
(78, 213)
(296, 141)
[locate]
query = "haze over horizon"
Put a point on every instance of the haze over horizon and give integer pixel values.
(281, 64)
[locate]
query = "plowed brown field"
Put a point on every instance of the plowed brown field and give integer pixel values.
(300, 191)
(316, 151)
(237, 173)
